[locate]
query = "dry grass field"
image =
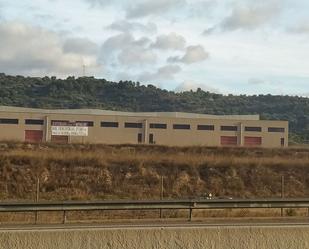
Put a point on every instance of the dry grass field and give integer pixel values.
(91, 172)
(102, 172)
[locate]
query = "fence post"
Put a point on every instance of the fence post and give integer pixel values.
(282, 193)
(37, 189)
(37, 199)
(161, 196)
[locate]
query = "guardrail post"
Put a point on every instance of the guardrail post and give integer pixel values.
(64, 217)
(36, 217)
(190, 214)
(193, 204)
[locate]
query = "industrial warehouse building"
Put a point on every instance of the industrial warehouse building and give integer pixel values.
(164, 128)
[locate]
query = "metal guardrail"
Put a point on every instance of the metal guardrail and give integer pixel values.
(189, 205)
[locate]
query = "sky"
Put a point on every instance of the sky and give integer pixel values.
(224, 46)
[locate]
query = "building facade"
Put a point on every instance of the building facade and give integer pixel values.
(165, 128)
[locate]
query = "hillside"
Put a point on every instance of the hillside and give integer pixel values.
(88, 92)
(88, 172)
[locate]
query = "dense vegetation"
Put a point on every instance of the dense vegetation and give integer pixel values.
(88, 92)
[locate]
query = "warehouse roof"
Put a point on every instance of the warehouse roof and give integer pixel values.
(132, 114)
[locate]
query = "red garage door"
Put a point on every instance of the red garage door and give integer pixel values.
(253, 141)
(60, 139)
(229, 140)
(33, 136)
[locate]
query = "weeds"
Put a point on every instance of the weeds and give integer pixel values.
(91, 172)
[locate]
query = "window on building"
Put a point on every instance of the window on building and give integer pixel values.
(181, 127)
(229, 128)
(206, 127)
(8, 121)
(253, 128)
(110, 124)
(151, 141)
(68, 123)
(85, 123)
(139, 137)
(60, 122)
(133, 125)
(275, 129)
(157, 126)
(34, 121)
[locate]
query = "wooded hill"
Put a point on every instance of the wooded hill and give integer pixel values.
(88, 92)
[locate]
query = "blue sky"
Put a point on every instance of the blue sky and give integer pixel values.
(226, 46)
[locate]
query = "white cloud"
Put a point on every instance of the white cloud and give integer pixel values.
(142, 42)
(34, 51)
(118, 42)
(80, 46)
(301, 28)
(263, 82)
(193, 54)
(256, 81)
(275, 52)
(170, 41)
(163, 73)
(209, 30)
(136, 55)
(192, 85)
(101, 3)
(251, 14)
(202, 8)
(126, 26)
(147, 7)
(1, 12)
(124, 41)
(128, 50)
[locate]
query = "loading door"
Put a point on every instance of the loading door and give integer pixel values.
(253, 141)
(33, 136)
(229, 140)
